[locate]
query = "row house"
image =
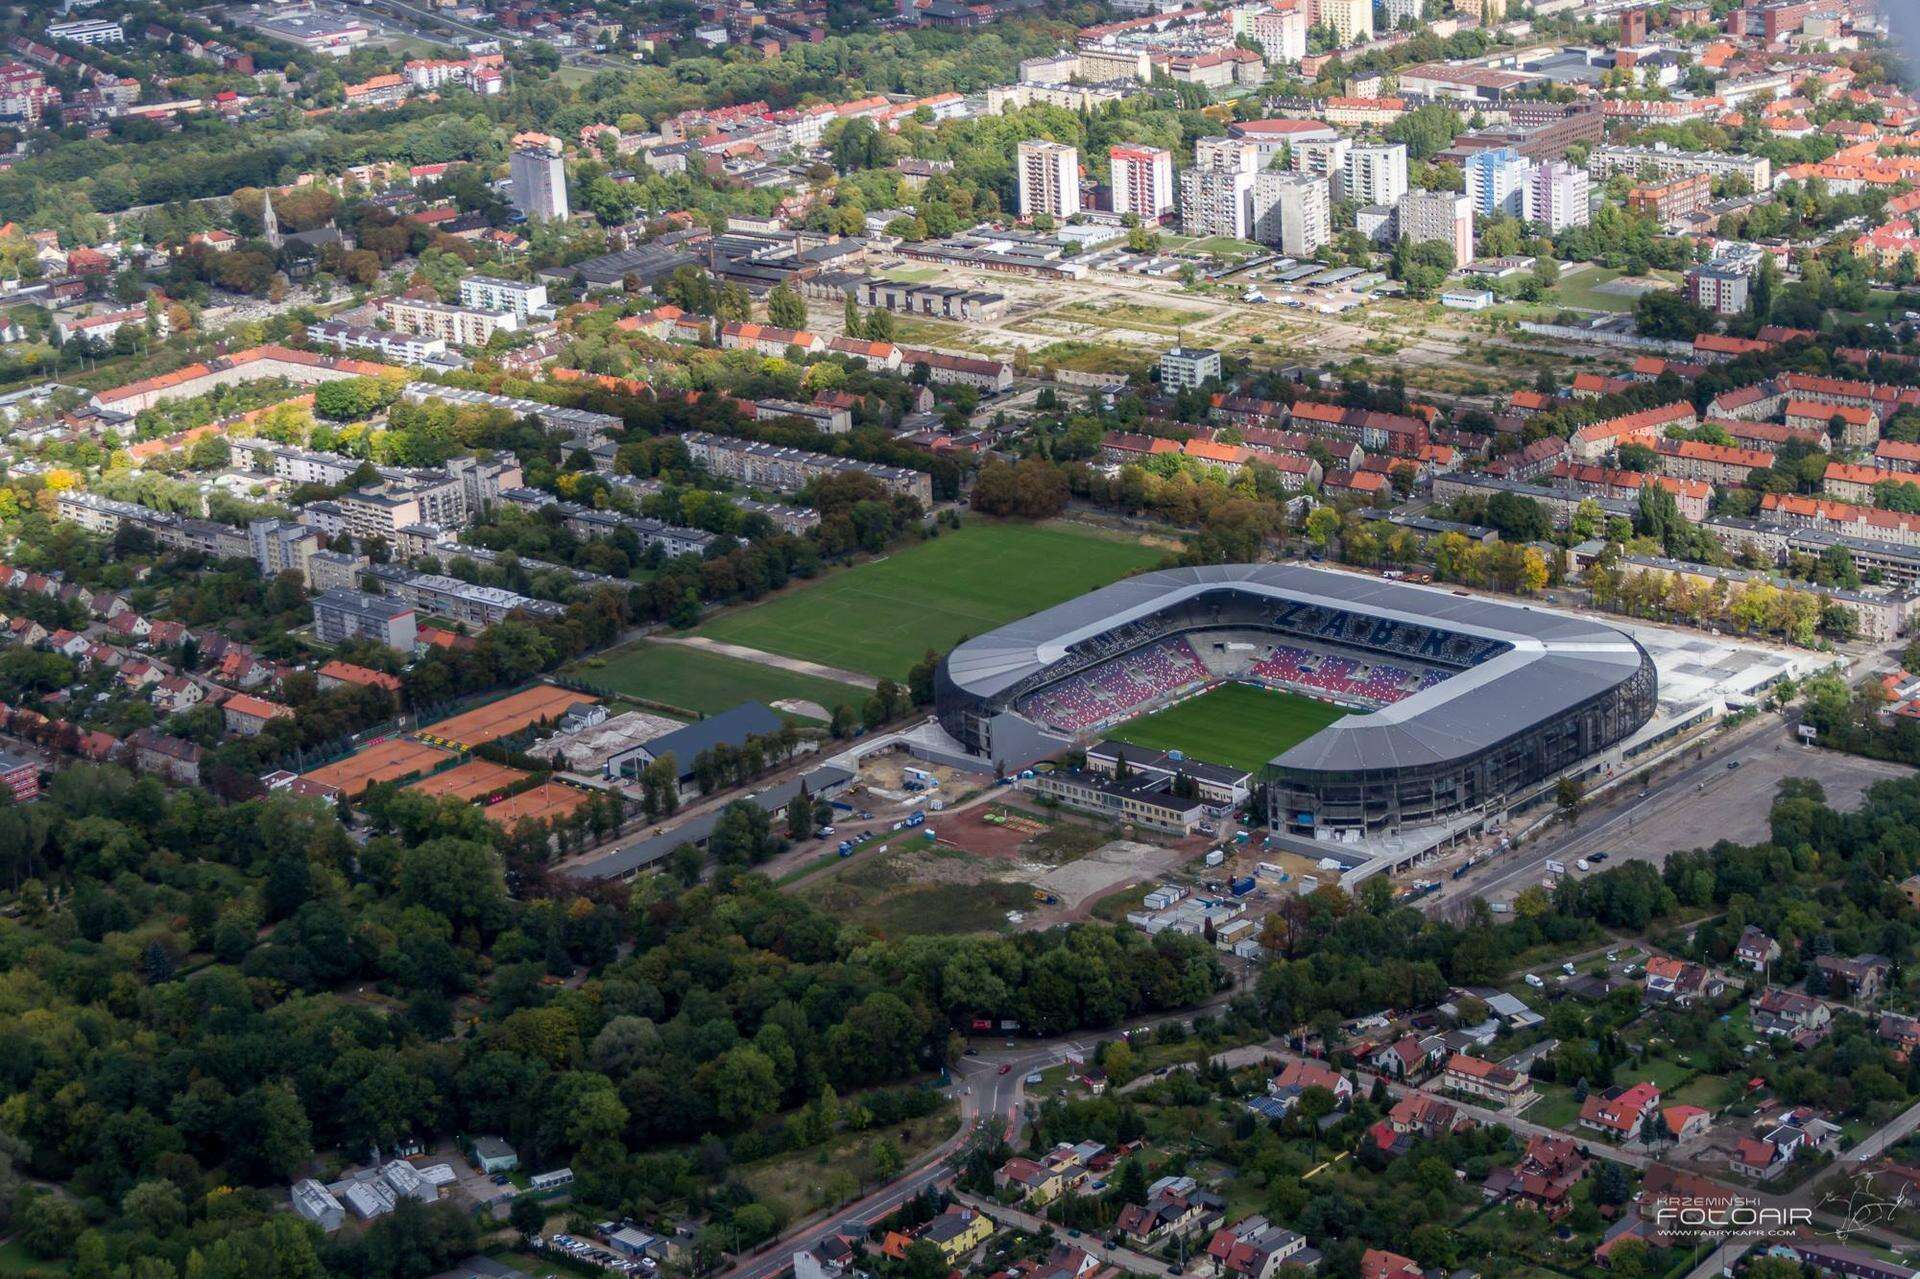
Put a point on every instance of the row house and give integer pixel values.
(1797, 510)
(1770, 437)
(1530, 462)
(1851, 483)
(1714, 463)
(1691, 497)
(1858, 425)
(766, 339)
(1596, 440)
(1374, 432)
(991, 376)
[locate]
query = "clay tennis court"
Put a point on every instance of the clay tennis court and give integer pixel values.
(387, 761)
(475, 779)
(544, 802)
(505, 717)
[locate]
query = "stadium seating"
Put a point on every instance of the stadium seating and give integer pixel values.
(1353, 677)
(1119, 688)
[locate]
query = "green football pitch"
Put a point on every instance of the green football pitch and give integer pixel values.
(880, 617)
(709, 683)
(1235, 724)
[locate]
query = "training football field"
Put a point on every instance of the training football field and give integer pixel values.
(880, 617)
(1235, 724)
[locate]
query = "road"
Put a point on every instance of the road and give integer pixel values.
(986, 1093)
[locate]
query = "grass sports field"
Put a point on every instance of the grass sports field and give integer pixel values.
(881, 616)
(706, 682)
(1235, 724)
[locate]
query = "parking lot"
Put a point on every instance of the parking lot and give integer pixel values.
(587, 1253)
(1734, 802)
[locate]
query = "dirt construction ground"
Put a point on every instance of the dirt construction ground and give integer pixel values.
(1106, 868)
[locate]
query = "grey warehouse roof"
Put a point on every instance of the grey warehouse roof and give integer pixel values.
(1553, 662)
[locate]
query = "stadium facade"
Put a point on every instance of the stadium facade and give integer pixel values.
(1467, 703)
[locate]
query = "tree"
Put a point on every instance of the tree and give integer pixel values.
(528, 1214)
(800, 815)
(1567, 793)
(350, 400)
(786, 309)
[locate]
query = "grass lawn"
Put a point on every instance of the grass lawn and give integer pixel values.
(705, 682)
(1582, 289)
(1705, 1091)
(1228, 245)
(1235, 724)
(15, 1260)
(881, 616)
(1664, 1072)
(1556, 1107)
(801, 1181)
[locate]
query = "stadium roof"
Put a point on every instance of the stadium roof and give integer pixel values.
(1552, 663)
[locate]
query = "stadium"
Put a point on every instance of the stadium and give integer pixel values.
(1455, 705)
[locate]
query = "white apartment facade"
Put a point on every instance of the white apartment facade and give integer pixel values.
(1049, 179)
(1142, 182)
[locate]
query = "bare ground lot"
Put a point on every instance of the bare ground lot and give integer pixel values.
(1734, 804)
(1123, 861)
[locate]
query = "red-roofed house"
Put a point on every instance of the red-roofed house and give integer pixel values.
(1378, 1264)
(247, 715)
(1620, 1113)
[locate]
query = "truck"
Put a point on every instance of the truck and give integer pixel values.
(916, 818)
(846, 848)
(1556, 868)
(921, 776)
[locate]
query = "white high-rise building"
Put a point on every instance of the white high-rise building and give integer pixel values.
(1223, 152)
(1293, 211)
(539, 184)
(1049, 179)
(1497, 181)
(1324, 158)
(1217, 201)
(1142, 182)
(1559, 196)
(1376, 173)
(1281, 33)
(1352, 20)
(1394, 10)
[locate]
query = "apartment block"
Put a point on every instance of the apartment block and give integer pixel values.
(1049, 175)
(771, 466)
(489, 293)
(457, 325)
(342, 615)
